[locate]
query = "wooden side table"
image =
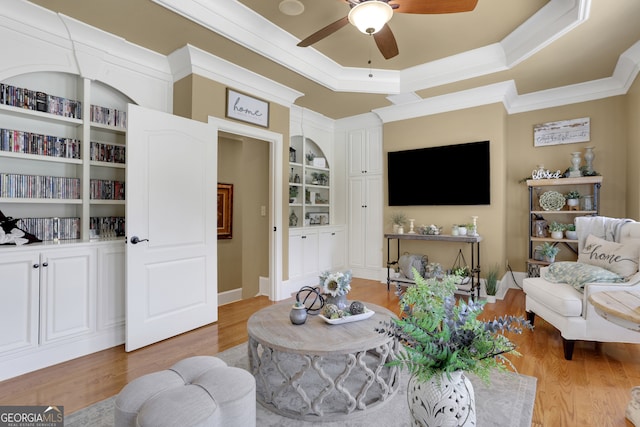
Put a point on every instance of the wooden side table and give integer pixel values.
(623, 309)
(317, 371)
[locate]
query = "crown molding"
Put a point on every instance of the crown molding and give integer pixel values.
(237, 23)
(625, 73)
(192, 60)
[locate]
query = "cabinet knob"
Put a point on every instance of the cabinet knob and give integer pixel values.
(36, 265)
(45, 264)
(304, 237)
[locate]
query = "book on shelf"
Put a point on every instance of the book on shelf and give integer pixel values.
(106, 189)
(47, 229)
(100, 226)
(13, 185)
(108, 116)
(39, 101)
(111, 153)
(18, 141)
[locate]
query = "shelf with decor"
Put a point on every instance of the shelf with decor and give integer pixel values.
(59, 133)
(549, 209)
(309, 184)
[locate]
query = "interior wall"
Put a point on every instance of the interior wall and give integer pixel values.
(198, 98)
(608, 136)
(470, 125)
(633, 154)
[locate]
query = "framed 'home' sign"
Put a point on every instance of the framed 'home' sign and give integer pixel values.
(246, 108)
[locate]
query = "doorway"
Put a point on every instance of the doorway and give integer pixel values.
(255, 249)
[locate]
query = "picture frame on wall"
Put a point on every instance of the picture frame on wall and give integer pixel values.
(225, 211)
(246, 108)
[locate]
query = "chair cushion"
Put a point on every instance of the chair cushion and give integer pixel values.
(577, 274)
(621, 258)
(559, 297)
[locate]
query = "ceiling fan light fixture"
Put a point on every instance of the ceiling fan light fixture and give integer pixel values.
(370, 16)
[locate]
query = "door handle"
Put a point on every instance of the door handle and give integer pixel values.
(135, 240)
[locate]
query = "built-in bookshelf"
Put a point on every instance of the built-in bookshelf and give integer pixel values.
(63, 155)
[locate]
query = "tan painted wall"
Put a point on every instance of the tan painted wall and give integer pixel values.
(633, 154)
(198, 98)
(477, 124)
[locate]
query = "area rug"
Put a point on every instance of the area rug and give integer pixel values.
(506, 402)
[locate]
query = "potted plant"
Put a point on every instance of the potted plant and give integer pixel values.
(548, 251)
(570, 232)
(398, 219)
(293, 193)
(491, 283)
(557, 230)
(442, 340)
(573, 199)
(310, 156)
(462, 229)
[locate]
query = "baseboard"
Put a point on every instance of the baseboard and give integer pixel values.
(227, 297)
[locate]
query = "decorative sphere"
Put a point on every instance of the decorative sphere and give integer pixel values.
(330, 310)
(356, 307)
(311, 299)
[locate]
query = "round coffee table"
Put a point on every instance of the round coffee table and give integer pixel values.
(317, 371)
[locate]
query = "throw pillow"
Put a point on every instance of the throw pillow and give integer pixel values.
(620, 258)
(577, 274)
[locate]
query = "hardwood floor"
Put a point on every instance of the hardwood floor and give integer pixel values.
(591, 390)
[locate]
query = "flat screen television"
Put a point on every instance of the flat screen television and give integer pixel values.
(445, 175)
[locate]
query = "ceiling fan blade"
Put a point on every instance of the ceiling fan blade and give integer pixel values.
(324, 32)
(434, 6)
(386, 42)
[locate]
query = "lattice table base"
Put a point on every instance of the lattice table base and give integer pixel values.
(327, 387)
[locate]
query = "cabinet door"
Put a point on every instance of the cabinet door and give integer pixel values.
(357, 218)
(295, 255)
(18, 301)
(111, 282)
(310, 253)
(373, 219)
(67, 293)
(374, 151)
(332, 249)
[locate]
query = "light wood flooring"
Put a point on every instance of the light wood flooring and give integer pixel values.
(591, 390)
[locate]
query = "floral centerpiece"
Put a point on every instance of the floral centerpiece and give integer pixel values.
(335, 286)
(442, 339)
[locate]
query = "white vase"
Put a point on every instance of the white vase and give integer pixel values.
(491, 299)
(462, 231)
(339, 300)
(557, 235)
(442, 401)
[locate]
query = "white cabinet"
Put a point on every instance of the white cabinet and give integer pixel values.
(303, 253)
(365, 151)
(314, 250)
(53, 305)
(332, 251)
(365, 226)
(18, 301)
(67, 293)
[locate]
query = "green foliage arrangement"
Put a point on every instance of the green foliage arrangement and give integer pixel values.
(399, 218)
(548, 250)
(556, 226)
(572, 195)
(440, 334)
(491, 280)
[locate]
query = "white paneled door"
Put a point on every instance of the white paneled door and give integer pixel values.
(171, 226)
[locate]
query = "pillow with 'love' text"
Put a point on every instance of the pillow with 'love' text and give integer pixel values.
(619, 258)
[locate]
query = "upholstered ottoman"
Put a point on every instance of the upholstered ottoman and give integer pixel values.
(197, 391)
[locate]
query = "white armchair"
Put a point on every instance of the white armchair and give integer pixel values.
(570, 311)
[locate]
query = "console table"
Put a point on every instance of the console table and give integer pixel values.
(473, 241)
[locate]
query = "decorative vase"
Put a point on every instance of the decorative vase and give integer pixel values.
(491, 299)
(462, 231)
(442, 401)
(588, 157)
(395, 228)
(556, 235)
(298, 314)
(339, 300)
(571, 235)
(549, 259)
(400, 229)
(573, 202)
(575, 164)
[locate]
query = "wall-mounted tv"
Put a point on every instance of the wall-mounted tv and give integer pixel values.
(445, 175)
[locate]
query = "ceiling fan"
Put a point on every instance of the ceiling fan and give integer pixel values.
(380, 11)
